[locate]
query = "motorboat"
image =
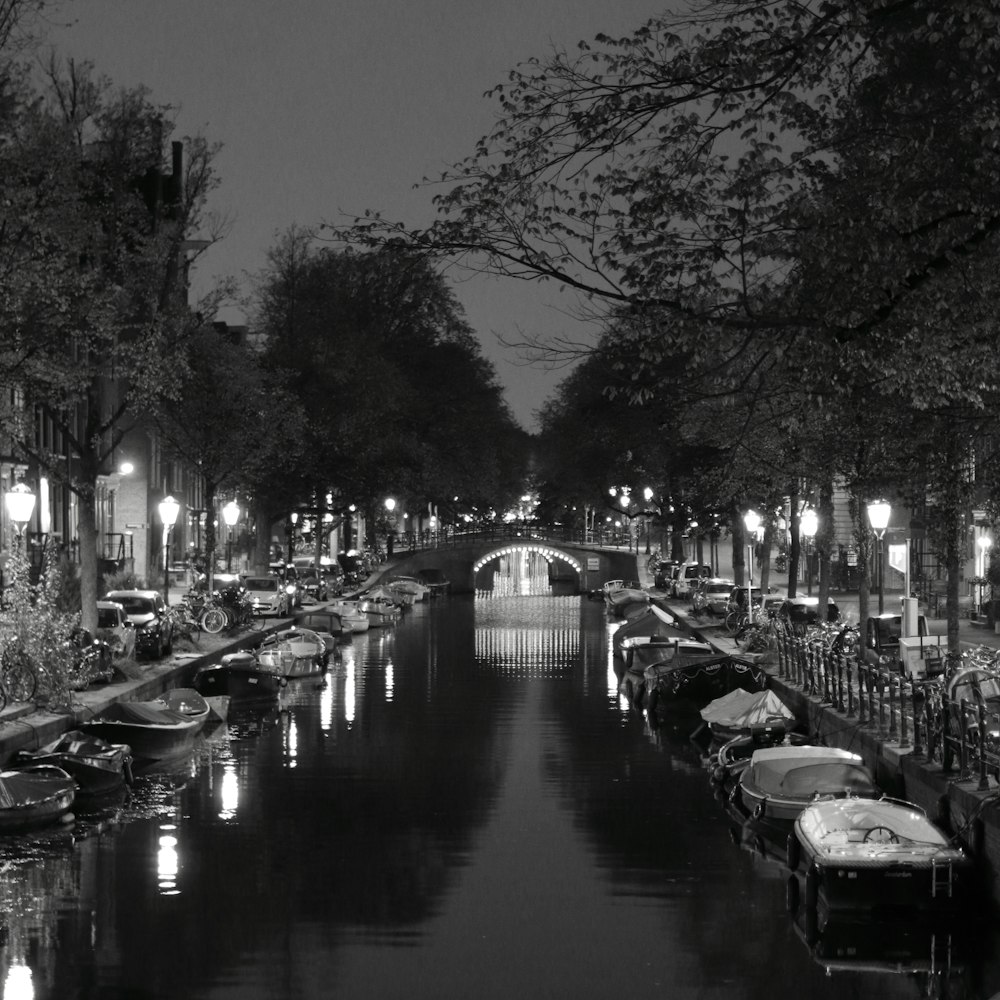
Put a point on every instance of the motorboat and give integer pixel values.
(736, 713)
(734, 755)
(329, 626)
(153, 729)
(381, 613)
(642, 654)
(351, 615)
(435, 581)
(620, 599)
(779, 782)
(240, 676)
(98, 767)
(882, 854)
(642, 628)
(34, 796)
(409, 585)
(293, 653)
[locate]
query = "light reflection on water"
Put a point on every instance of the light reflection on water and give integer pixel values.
(428, 823)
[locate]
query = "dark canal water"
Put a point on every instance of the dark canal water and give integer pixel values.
(465, 809)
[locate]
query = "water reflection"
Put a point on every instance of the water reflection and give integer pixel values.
(527, 636)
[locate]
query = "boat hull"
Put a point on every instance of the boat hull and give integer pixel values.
(34, 797)
(97, 767)
(239, 681)
(154, 729)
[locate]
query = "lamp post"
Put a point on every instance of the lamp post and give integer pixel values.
(808, 523)
(169, 509)
(20, 502)
(390, 507)
(293, 519)
(878, 515)
(230, 514)
(985, 543)
(751, 521)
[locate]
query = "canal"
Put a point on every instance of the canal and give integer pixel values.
(465, 808)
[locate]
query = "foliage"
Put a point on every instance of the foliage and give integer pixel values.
(33, 626)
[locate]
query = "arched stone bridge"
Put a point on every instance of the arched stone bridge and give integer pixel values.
(462, 560)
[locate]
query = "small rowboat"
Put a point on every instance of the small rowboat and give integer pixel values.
(240, 676)
(154, 729)
(98, 767)
(34, 797)
(293, 653)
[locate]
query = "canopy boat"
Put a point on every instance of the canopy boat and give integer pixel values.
(779, 782)
(293, 653)
(98, 767)
(861, 855)
(240, 677)
(642, 654)
(35, 796)
(697, 678)
(154, 729)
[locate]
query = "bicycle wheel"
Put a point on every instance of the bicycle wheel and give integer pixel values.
(732, 621)
(213, 620)
(20, 680)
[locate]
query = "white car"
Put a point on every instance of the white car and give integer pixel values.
(114, 627)
(268, 595)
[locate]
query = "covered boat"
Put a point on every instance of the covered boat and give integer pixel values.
(239, 676)
(780, 782)
(737, 712)
(863, 855)
(619, 600)
(154, 729)
(98, 767)
(381, 613)
(34, 797)
(293, 653)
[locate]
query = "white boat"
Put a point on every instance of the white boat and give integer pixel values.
(409, 585)
(381, 614)
(876, 854)
(781, 781)
(351, 615)
(293, 653)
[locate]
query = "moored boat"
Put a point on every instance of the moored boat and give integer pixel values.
(351, 616)
(381, 614)
(35, 796)
(153, 729)
(697, 678)
(98, 767)
(876, 855)
(240, 676)
(781, 781)
(293, 653)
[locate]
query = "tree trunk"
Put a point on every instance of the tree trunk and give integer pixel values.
(794, 545)
(739, 550)
(824, 544)
(765, 556)
(209, 491)
(90, 584)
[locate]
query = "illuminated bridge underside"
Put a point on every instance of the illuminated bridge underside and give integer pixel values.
(543, 550)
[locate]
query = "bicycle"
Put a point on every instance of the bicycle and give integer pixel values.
(18, 677)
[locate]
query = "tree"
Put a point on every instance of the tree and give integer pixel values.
(233, 419)
(92, 274)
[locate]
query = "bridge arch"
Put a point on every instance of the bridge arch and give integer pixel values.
(527, 564)
(546, 551)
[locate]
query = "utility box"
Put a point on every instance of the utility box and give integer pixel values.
(922, 656)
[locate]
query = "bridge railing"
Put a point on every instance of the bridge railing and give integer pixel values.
(413, 541)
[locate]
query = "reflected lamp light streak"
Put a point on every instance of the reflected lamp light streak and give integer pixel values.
(167, 865)
(18, 984)
(291, 743)
(326, 708)
(389, 681)
(230, 792)
(349, 693)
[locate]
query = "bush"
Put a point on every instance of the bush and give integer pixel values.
(123, 580)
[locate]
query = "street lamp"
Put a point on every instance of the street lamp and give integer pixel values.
(751, 521)
(169, 509)
(390, 506)
(293, 519)
(230, 514)
(985, 543)
(20, 503)
(878, 515)
(808, 523)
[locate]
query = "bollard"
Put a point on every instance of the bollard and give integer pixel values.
(904, 735)
(849, 662)
(862, 682)
(891, 685)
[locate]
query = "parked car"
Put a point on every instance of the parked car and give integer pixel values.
(663, 576)
(882, 632)
(268, 595)
(687, 577)
(711, 596)
(151, 619)
(802, 611)
(115, 628)
(738, 597)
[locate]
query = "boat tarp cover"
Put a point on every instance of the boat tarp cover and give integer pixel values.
(826, 778)
(143, 713)
(742, 709)
(22, 788)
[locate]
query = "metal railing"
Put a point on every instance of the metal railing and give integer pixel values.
(916, 714)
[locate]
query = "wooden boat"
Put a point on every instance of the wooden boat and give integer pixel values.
(98, 767)
(697, 678)
(163, 727)
(642, 654)
(240, 677)
(35, 796)
(780, 782)
(862, 855)
(293, 653)
(328, 626)
(619, 599)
